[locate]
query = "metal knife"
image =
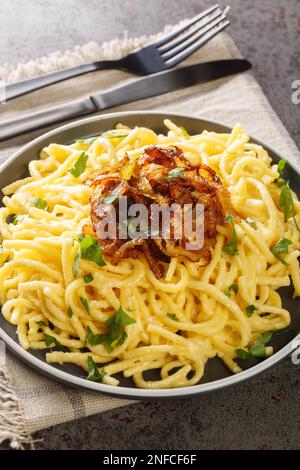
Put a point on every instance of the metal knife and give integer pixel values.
(152, 85)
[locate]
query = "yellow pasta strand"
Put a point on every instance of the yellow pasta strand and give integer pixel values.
(181, 320)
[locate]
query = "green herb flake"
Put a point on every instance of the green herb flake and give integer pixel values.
(80, 165)
(147, 230)
(231, 247)
(280, 168)
(40, 323)
(185, 132)
(175, 173)
(242, 353)
(85, 304)
(111, 199)
(94, 374)
(18, 218)
(117, 335)
(91, 250)
(53, 342)
(115, 134)
(69, 312)
(258, 349)
(172, 316)
(286, 201)
(132, 230)
(250, 310)
(119, 320)
(229, 219)
(88, 141)
(234, 288)
(93, 339)
(88, 278)
(76, 263)
(40, 203)
(282, 246)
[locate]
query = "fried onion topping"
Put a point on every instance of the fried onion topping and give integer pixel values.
(163, 176)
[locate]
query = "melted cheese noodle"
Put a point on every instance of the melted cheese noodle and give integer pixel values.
(178, 322)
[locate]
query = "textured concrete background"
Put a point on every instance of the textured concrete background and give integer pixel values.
(263, 413)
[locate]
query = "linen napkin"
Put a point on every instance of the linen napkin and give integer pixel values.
(29, 401)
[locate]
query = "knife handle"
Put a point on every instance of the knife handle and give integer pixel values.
(21, 88)
(16, 126)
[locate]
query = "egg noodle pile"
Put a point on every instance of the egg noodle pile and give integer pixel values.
(109, 318)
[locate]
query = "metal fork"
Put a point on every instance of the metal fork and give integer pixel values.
(160, 55)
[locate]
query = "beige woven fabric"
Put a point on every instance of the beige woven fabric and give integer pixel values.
(43, 402)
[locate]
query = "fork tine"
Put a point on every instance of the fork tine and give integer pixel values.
(198, 34)
(179, 30)
(170, 45)
(195, 46)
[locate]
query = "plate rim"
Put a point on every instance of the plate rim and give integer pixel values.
(121, 391)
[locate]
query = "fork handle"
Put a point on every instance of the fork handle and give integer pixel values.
(26, 86)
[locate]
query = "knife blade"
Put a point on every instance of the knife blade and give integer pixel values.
(146, 87)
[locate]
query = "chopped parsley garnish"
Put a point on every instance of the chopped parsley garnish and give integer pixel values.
(53, 342)
(111, 199)
(147, 230)
(69, 312)
(234, 288)
(85, 304)
(94, 374)
(286, 201)
(76, 264)
(80, 165)
(18, 218)
(250, 310)
(175, 173)
(185, 132)
(242, 353)
(172, 316)
(88, 141)
(281, 166)
(91, 250)
(88, 278)
(40, 323)
(116, 335)
(258, 349)
(132, 230)
(40, 203)
(137, 231)
(282, 246)
(231, 247)
(114, 134)
(110, 135)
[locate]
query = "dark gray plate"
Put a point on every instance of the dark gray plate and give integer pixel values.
(216, 375)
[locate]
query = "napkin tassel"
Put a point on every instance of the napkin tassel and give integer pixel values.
(12, 423)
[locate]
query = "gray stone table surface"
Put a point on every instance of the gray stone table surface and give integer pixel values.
(263, 413)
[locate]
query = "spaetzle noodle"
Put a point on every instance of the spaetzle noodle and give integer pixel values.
(193, 313)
